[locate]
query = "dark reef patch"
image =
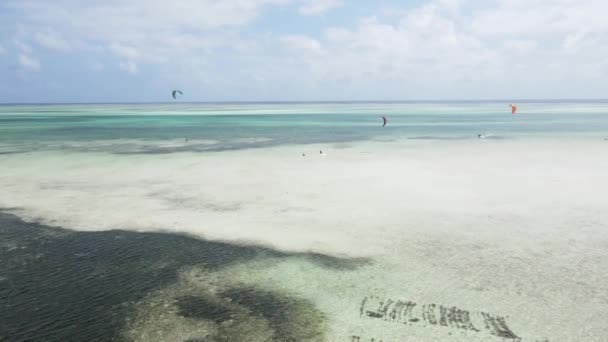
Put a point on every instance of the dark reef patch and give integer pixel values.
(203, 308)
(291, 319)
(251, 313)
(61, 285)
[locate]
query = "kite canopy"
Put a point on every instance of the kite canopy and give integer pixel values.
(176, 92)
(384, 120)
(513, 108)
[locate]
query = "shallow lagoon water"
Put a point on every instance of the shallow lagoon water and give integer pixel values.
(419, 231)
(60, 285)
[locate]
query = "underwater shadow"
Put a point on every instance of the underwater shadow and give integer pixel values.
(62, 285)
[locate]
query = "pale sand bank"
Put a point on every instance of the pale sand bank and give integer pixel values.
(513, 228)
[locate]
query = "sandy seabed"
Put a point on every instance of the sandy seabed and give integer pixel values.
(474, 240)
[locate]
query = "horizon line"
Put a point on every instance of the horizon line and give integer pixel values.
(313, 102)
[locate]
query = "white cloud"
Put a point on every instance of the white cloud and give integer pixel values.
(28, 63)
(51, 39)
(449, 49)
(573, 39)
(302, 43)
(132, 18)
(21, 46)
(138, 31)
(129, 66)
(20, 40)
(540, 17)
(520, 46)
(125, 51)
(440, 48)
(425, 40)
(130, 56)
(94, 65)
(316, 7)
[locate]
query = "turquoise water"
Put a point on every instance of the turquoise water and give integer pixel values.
(164, 128)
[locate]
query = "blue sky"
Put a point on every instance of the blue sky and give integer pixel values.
(298, 50)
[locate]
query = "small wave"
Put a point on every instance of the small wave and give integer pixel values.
(252, 140)
(432, 137)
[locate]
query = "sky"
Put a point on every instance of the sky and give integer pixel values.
(302, 50)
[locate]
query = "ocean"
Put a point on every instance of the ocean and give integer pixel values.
(457, 221)
(164, 128)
